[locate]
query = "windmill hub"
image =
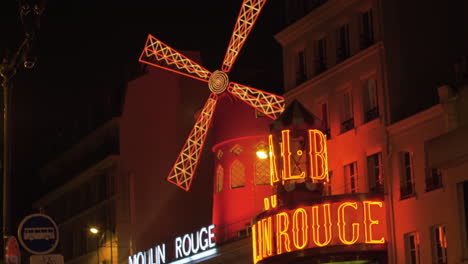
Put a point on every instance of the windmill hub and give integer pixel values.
(218, 82)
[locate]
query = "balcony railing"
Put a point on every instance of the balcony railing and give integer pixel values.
(433, 179)
(377, 188)
(366, 41)
(320, 65)
(347, 125)
(407, 191)
(300, 77)
(371, 114)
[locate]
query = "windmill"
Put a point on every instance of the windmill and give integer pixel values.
(158, 54)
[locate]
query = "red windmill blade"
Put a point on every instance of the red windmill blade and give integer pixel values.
(245, 20)
(186, 164)
(158, 54)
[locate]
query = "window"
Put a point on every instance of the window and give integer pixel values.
(374, 170)
(262, 172)
(237, 175)
(367, 30)
(219, 179)
(412, 248)
(342, 52)
(320, 55)
(371, 109)
(323, 108)
(433, 179)
(439, 244)
(237, 149)
(406, 180)
(351, 178)
(347, 119)
(301, 75)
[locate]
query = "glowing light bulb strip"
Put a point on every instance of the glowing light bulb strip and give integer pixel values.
(158, 54)
(186, 164)
(248, 14)
(271, 105)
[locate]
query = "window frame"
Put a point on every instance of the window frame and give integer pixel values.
(435, 242)
(351, 178)
(242, 185)
(376, 184)
(409, 182)
(408, 257)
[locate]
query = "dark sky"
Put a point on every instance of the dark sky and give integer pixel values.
(86, 51)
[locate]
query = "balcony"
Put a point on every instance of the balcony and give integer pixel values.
(371, 114)
(366, 40)
(342, 54)
(433, 179)
(320, 65)
(300, 77)
(377, 188)
(407, 191)
(347, 125)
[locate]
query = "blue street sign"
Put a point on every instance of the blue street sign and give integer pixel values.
(38, 234)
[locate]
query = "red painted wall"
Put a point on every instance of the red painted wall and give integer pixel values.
(236, 123)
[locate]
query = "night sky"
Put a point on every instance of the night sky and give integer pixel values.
(88, 50)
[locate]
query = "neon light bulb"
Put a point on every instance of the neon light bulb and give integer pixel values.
(342, 224)
(326, 225)
(261, 154)
(368, 222)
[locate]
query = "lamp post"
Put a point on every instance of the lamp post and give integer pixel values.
(95, 231)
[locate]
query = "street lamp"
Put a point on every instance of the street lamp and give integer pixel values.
(94, 231)
(262, 151)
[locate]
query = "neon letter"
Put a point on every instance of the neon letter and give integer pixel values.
(186, 246)
(368, 222)
(204, 244)
(318, 151)
(267, 237)
(326, 225)
(211, 236)
(282, 224)
(161, 254)
(256, 244)
(304, 228)
(273, 170)
(342, 224)
(286, 155)
(178, 247)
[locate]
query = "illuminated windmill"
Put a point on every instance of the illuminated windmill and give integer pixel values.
(158, 54)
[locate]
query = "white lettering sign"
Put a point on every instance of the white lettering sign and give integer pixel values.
(185, 246)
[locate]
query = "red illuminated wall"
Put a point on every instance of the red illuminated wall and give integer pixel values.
(236, 125)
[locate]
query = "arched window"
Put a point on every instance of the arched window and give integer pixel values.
(219, 179)
(237, 175)
(262, 172)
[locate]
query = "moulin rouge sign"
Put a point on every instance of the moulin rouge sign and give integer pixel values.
(188, 247)
(283, 230)
(329, 221)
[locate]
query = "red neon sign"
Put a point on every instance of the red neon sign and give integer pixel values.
(318, 225)
(317, 163)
